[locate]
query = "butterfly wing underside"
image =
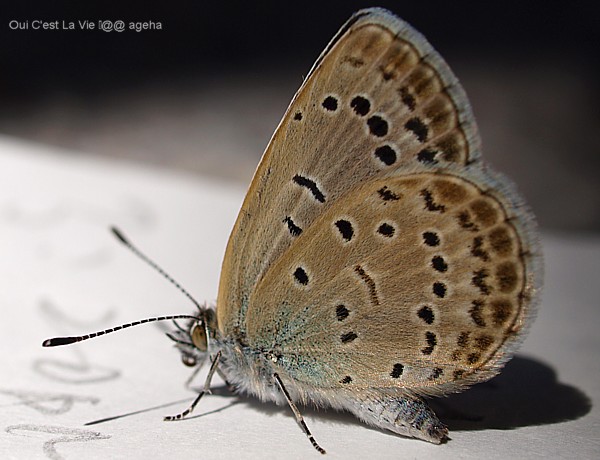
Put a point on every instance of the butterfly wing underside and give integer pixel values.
(386, 76)
(377, 113)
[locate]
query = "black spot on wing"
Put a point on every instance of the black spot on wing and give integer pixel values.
(439, 264)
(386, 154)
(431, 239)
(345, 228)
(431, 340)
(301, 276)
(366, 278)
(348, 337)
(311, 186)
(341, 312)
(427, 156)
(292, 227)
(386, 230)
(439, 289)
(430, 203)
(360, 105)
(418, 128)
(407, 98)
(426, 314)
(378, 127)
(330, 103)
(387, 195)
(397, 370)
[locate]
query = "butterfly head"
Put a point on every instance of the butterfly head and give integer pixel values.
(194, 339)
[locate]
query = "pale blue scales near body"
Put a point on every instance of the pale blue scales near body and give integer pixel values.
(375, 260)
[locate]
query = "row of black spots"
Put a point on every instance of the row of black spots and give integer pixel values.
(377, 124)
(341, 312)
(359, 104)
(378, 127)
(301, 276)
(387, 195)
(345, 229)
(292, 227)
(430, 203)
(431, 340)
(397, 371)
(311, 186)
(371, 286)
(479, 281)
(386, 230)
(438, 263)
(348, 337)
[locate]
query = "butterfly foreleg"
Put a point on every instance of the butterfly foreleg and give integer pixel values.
(206, 389)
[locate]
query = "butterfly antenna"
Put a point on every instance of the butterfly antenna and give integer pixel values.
(116, 232)
(57, 341)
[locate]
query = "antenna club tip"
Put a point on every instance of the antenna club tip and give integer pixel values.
(56, 341)
(115, 231)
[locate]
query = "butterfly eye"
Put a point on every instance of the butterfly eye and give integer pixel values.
(188, 360)
(198, 336)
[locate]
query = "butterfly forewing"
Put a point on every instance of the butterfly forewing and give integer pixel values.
(377, 101)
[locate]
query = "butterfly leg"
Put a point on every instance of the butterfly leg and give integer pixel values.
(299, 418)
(206, 389)
(407, 415)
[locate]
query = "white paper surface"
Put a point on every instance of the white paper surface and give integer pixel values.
(63, 274)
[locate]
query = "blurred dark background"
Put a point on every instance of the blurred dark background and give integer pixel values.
(204, 93)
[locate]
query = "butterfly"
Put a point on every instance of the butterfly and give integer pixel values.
(375, 260)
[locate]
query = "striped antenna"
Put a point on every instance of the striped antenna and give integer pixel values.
(57, 341)
(121, 237)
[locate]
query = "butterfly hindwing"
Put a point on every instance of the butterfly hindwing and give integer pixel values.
(415, 281)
